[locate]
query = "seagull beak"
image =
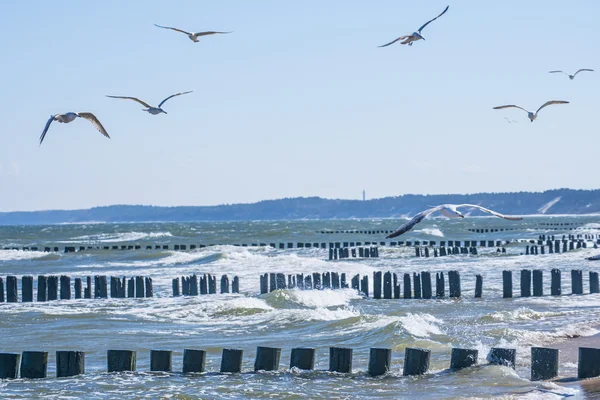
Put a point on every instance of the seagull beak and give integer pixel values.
(462, 216)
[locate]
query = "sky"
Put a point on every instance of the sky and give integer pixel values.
(298, 101)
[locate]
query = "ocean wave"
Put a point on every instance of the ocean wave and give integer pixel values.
(14, 255)
(117, 237)
(431, 232)
(520, 314)
(421, 325)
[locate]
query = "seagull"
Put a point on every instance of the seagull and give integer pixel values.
(149, 108)
(533, 116)
(571, 77)
(193, 36)
(448, 210)
(409, 39)
(70, 117)
(510, 121)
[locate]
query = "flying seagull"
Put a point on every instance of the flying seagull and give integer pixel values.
(193, 35)
(149, 108)
(533, 116)
(70, 117)
(571, 77)
(409, 39)
(448, 210)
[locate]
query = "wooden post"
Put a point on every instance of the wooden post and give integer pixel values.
(42, 289)
(175, 287)
(280, 281)
(114, 286)
(335, 280)
(525, 282)
(65, 287)
(417, 285)
(407, 288)
(231, 360)
(340, 359)
(538, 286)
(78, 288)
(9, 365)
(302, 358)
(87, 292)
(500, 356)
(588, 365)
(194, 285)
(416, 361)
(544, 363)
(11, 289)
(426, 284)
(326, 280)
(355, 282)
(267, 358)
(34, 364)
(555, 286)
(308, 282)
(27, 289)
(212, 284)
(377, 285)
(343, 281)
(576, 281)
(506, 284)
(440, 286)
(264, 283)
(139, 287)
(103, 289)
(121, 360)
(235, 286)
(70, 363)
(272, 282)
(594, 286)
(454, 281)
(463, 358)
(161, 360)
(364, 285)
(478, 286)
(379, 361)
(224, 284)
(52, 288)
(387, 285)
(396, 286)
(204, 284)
(131, 287)
(149, 288)
(194, 361)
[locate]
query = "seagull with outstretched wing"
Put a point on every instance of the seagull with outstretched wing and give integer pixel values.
(70, 117)
(149, 108)
(193, 35)
(571, 77)
(409, 39)
(532, 116)
(448, 210)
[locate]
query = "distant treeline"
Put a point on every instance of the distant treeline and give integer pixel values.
(560, 201)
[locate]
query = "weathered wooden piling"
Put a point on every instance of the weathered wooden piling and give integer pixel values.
(364, 285)
(538, 284)
(280, 281)
(440, 286)
(235, 285)
(264, 283)
(416, 361)
(193, 285)
(387, 285)
(317, 281)
(377, 285)
(507, 284)
(131, 287)
(594, 285)
(576, 281)
(396, 286)
(426, 284)
(525, 283)
(355, 282)
(149, 287)
(340, 359)
(1, 290)
(42, 288)
(454, 283)
(407, 288)
(501, 356)
(70, 363)
(212, 284)
(11, 289)
(478, 286)
(52, 288)
(302, 358)
(326, 280)
(34, 364)
(417, 285)
(463, 358)
(9, 365)
(588, 365)
(175, 287)
(380, 360)
(224, 284)
(121, 360)
(114, 286)
(308, 282)
(343, 281)
(231, 360)
(272, 282)
(204, 284)
(139, 287)
(267, 358)
(194, 361)
(65, 287)
(544, 363)
(87, 292)
(27, 289)
(161, 360)
(555, 284)
(101, 286)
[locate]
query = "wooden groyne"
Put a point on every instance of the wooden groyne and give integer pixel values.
(193, 285)
(544, 361)
(354, 252)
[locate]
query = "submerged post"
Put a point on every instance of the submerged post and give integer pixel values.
(440, 289)
(377, 285)
(478, 286)
(576, 281)
(11, 289)
(506, 284)
(302, 358)
(538, 284)
(231, 360)
(267, 358)
(555, 285)
(65, 287)
(34, 364)
(379, 361)
(27, 289)
(121, 360)
(70, 363)
(416, 361)
(340, 359)
(588, 365)
(407, 288)
(454, 280)
(42, 288)
(426, 284)
(161, 360)
(9, 365)
(463, 358)
(525, 282)
(544, 363)
(193, 361)
(594, 286)
(500, 356)
(387, 285)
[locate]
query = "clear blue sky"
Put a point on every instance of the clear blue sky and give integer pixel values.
(298, 101)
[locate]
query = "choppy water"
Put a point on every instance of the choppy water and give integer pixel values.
(290, 318)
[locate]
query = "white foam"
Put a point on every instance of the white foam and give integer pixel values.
(117, 237)
(323, 298)
(421, 325)
(12, 255)
(431, 232)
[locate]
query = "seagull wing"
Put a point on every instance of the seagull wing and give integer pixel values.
(554, 72)
(131, 98)
(430, 21)
(395, 40)
(510, 106)
(46, 128)
(548, 103)
(92, 118)
(198, 34)
(173, 29)
(583, 69)
(415, 220)
(494, 213)
(173, 95)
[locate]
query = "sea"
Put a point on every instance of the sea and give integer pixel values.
(291, 318)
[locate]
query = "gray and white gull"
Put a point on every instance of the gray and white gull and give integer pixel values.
(448, 210)
(532, 115)
(571, 77)
(409, 39)
(149, 108)
(70, 117)
(193, 35)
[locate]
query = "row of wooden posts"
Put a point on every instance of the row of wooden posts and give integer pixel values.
(354, 252)
(207, 284)
(534, 279)
(53, 288)
(544, 361)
